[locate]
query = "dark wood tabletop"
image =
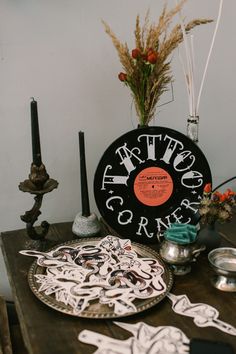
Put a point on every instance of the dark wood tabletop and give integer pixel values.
(47, 331)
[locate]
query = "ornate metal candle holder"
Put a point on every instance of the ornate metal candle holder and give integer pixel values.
(39, 184)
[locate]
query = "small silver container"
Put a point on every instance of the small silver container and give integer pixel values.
(179, 256)
(223, 261)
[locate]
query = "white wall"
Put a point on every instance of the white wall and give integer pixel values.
(58, 52)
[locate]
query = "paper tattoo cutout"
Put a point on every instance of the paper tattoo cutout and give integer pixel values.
(110, 272)
(203, 315)
(146, 340)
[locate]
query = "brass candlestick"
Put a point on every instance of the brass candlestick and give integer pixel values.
(39, 184)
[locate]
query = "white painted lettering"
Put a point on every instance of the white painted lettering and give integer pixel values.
(151, 144)
(192, 179)
(172, 144)
(176, 217)
(142, 225)
(180, 160)
(126, 220)
(109, 179)
(161, 224)
(111, 199)
(189, 205)
(126, 155)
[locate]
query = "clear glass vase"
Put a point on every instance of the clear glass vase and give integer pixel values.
(192, 128)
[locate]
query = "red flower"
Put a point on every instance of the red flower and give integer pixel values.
(152, 57)
(230, 193)
(207, 188)
(122, 76)
(223, 197)
(150, 51)
(136, 53)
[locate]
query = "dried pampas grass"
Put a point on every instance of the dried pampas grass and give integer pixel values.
(147, 70)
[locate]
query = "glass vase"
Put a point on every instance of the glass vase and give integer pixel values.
(192, 128)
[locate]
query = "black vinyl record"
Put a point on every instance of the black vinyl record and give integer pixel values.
(149, 178)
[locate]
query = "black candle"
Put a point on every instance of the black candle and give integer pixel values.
(83, 177)
(36, 150)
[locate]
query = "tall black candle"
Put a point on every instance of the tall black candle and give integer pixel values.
(36, 150)
(83, 177)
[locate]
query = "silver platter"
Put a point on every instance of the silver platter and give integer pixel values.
(95, 309)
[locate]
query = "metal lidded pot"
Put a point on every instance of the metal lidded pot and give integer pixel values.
(180, 256)
(179, 248)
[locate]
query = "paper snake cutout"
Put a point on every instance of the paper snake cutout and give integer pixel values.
(203, 315)
(110, 272)
(146, 340)
(158, 340)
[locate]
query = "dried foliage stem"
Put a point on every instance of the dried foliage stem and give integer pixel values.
(188, 68)
(209, 54)
(146, 68)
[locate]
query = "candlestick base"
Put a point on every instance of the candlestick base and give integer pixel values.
(38, 184)
(86, 226)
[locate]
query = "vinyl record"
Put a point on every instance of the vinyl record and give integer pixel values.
(149, 178)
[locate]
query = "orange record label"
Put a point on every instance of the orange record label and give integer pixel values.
(153, 186)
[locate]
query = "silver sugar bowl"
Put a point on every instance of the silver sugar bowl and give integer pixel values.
(223, 261)
(180, 256)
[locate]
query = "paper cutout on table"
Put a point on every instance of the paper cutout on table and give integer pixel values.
(110, 272)
(146, 340)
(203, 315)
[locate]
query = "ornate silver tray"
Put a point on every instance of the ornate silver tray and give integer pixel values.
(96, 309)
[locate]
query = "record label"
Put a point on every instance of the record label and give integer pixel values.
(148, 179)
(153, 186)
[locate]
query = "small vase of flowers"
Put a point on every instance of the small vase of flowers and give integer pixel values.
(214, 207)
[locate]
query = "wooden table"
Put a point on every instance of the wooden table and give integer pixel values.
(46, 331)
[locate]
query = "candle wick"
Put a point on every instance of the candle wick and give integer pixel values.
(32, 98)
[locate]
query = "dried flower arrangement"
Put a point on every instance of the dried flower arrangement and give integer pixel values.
(147, 69)
(216, 206)
(189, 69)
